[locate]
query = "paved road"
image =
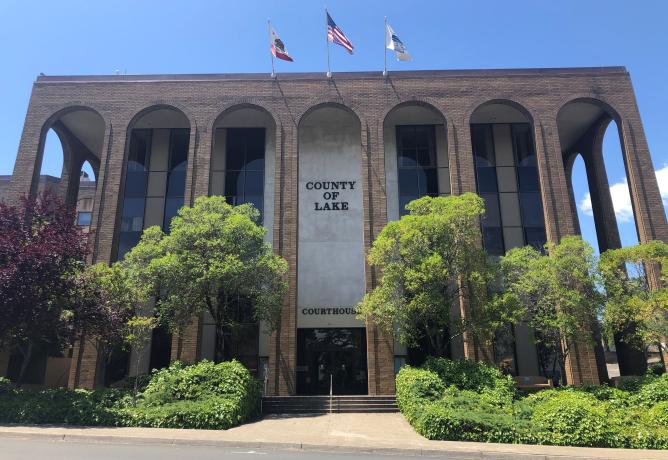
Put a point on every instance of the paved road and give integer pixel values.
(32, 449)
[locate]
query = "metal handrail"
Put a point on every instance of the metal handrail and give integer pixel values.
(331, 392)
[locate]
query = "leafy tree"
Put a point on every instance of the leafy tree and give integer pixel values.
(635, 309)
(42, 251)
(138, 335)
(214, 259)
(99, 308)
(558, 292)
(428, 261)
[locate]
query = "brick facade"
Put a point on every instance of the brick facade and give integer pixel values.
(539, 93)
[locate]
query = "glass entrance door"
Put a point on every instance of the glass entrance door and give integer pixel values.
(331, 356)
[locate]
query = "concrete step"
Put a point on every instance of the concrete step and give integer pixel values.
(325, 404)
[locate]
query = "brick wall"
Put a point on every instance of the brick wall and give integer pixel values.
(455, 94)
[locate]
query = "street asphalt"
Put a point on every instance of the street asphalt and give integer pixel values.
(33, 449)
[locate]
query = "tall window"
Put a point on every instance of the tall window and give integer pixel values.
(507, 180)
(154, 182)
(416, 161)
(244, 166)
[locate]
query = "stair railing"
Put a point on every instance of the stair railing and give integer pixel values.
(331, 393)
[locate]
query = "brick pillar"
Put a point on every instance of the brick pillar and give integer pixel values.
(379, 345)
(645, 196)
(25, 177)
(283, 343)
(84, 365)
(186, 346)
(581, 364)
(462, 180)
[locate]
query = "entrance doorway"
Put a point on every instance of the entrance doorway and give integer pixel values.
(332, 356)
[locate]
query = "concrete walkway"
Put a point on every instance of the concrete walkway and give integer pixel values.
(376, 433)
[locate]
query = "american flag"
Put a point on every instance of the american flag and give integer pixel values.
(336, 35)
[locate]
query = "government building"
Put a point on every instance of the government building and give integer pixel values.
(328, 162)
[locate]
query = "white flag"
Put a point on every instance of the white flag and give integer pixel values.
(392, 42)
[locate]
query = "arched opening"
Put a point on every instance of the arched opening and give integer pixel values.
(507, 179)
(154, 189)
(155, 173)
(589, 128)
(331, 342)
(86, 196)
(416, 155)
(71, 139)
(242, 170)
(416, 164)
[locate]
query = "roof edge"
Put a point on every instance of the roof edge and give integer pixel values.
(402, 74)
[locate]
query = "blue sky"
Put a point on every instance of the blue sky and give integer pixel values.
(197, 36)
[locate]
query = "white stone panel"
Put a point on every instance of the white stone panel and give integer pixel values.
(331, 245)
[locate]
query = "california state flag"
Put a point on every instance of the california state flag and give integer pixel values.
(277, 46)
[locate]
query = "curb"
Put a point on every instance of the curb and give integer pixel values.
(451, 454)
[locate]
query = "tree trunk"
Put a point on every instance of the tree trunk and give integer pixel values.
(220, 343)
(24, 364)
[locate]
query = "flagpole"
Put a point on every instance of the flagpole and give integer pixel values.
(385, 48)
(329, 70)
(271, 53)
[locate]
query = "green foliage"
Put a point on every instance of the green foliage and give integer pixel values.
(6, 385)
(204, 395)
(427, 260)
(470, 375)
(631, 297)
(557, 293)
(229, 379)
(462, 401)
(211, 413)
(214, 259)
(572, 418)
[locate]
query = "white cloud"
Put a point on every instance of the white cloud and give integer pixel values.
(621, 200)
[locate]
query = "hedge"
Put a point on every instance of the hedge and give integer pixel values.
(466, 401)
(203, 395)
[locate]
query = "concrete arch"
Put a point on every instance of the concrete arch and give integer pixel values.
(522, 108)
(593, 99)
(320, 103)
(414, 102)
(160, 106)
(243, 104)
(421, 102)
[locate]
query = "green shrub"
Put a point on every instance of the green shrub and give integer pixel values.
(653, 390)
(204, 395)
(6, 385)
(211, 412)
(60, 406)
(572, 418)
(470, 375)
(448, 424)
(416, 387)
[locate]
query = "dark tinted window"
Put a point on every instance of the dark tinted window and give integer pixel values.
(244, 164)
(527, 178)
(532, 210)
(523, 145)
(416, 159)
(483, 145)
(493, 240)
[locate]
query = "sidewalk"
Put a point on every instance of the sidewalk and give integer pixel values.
(377, 433)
